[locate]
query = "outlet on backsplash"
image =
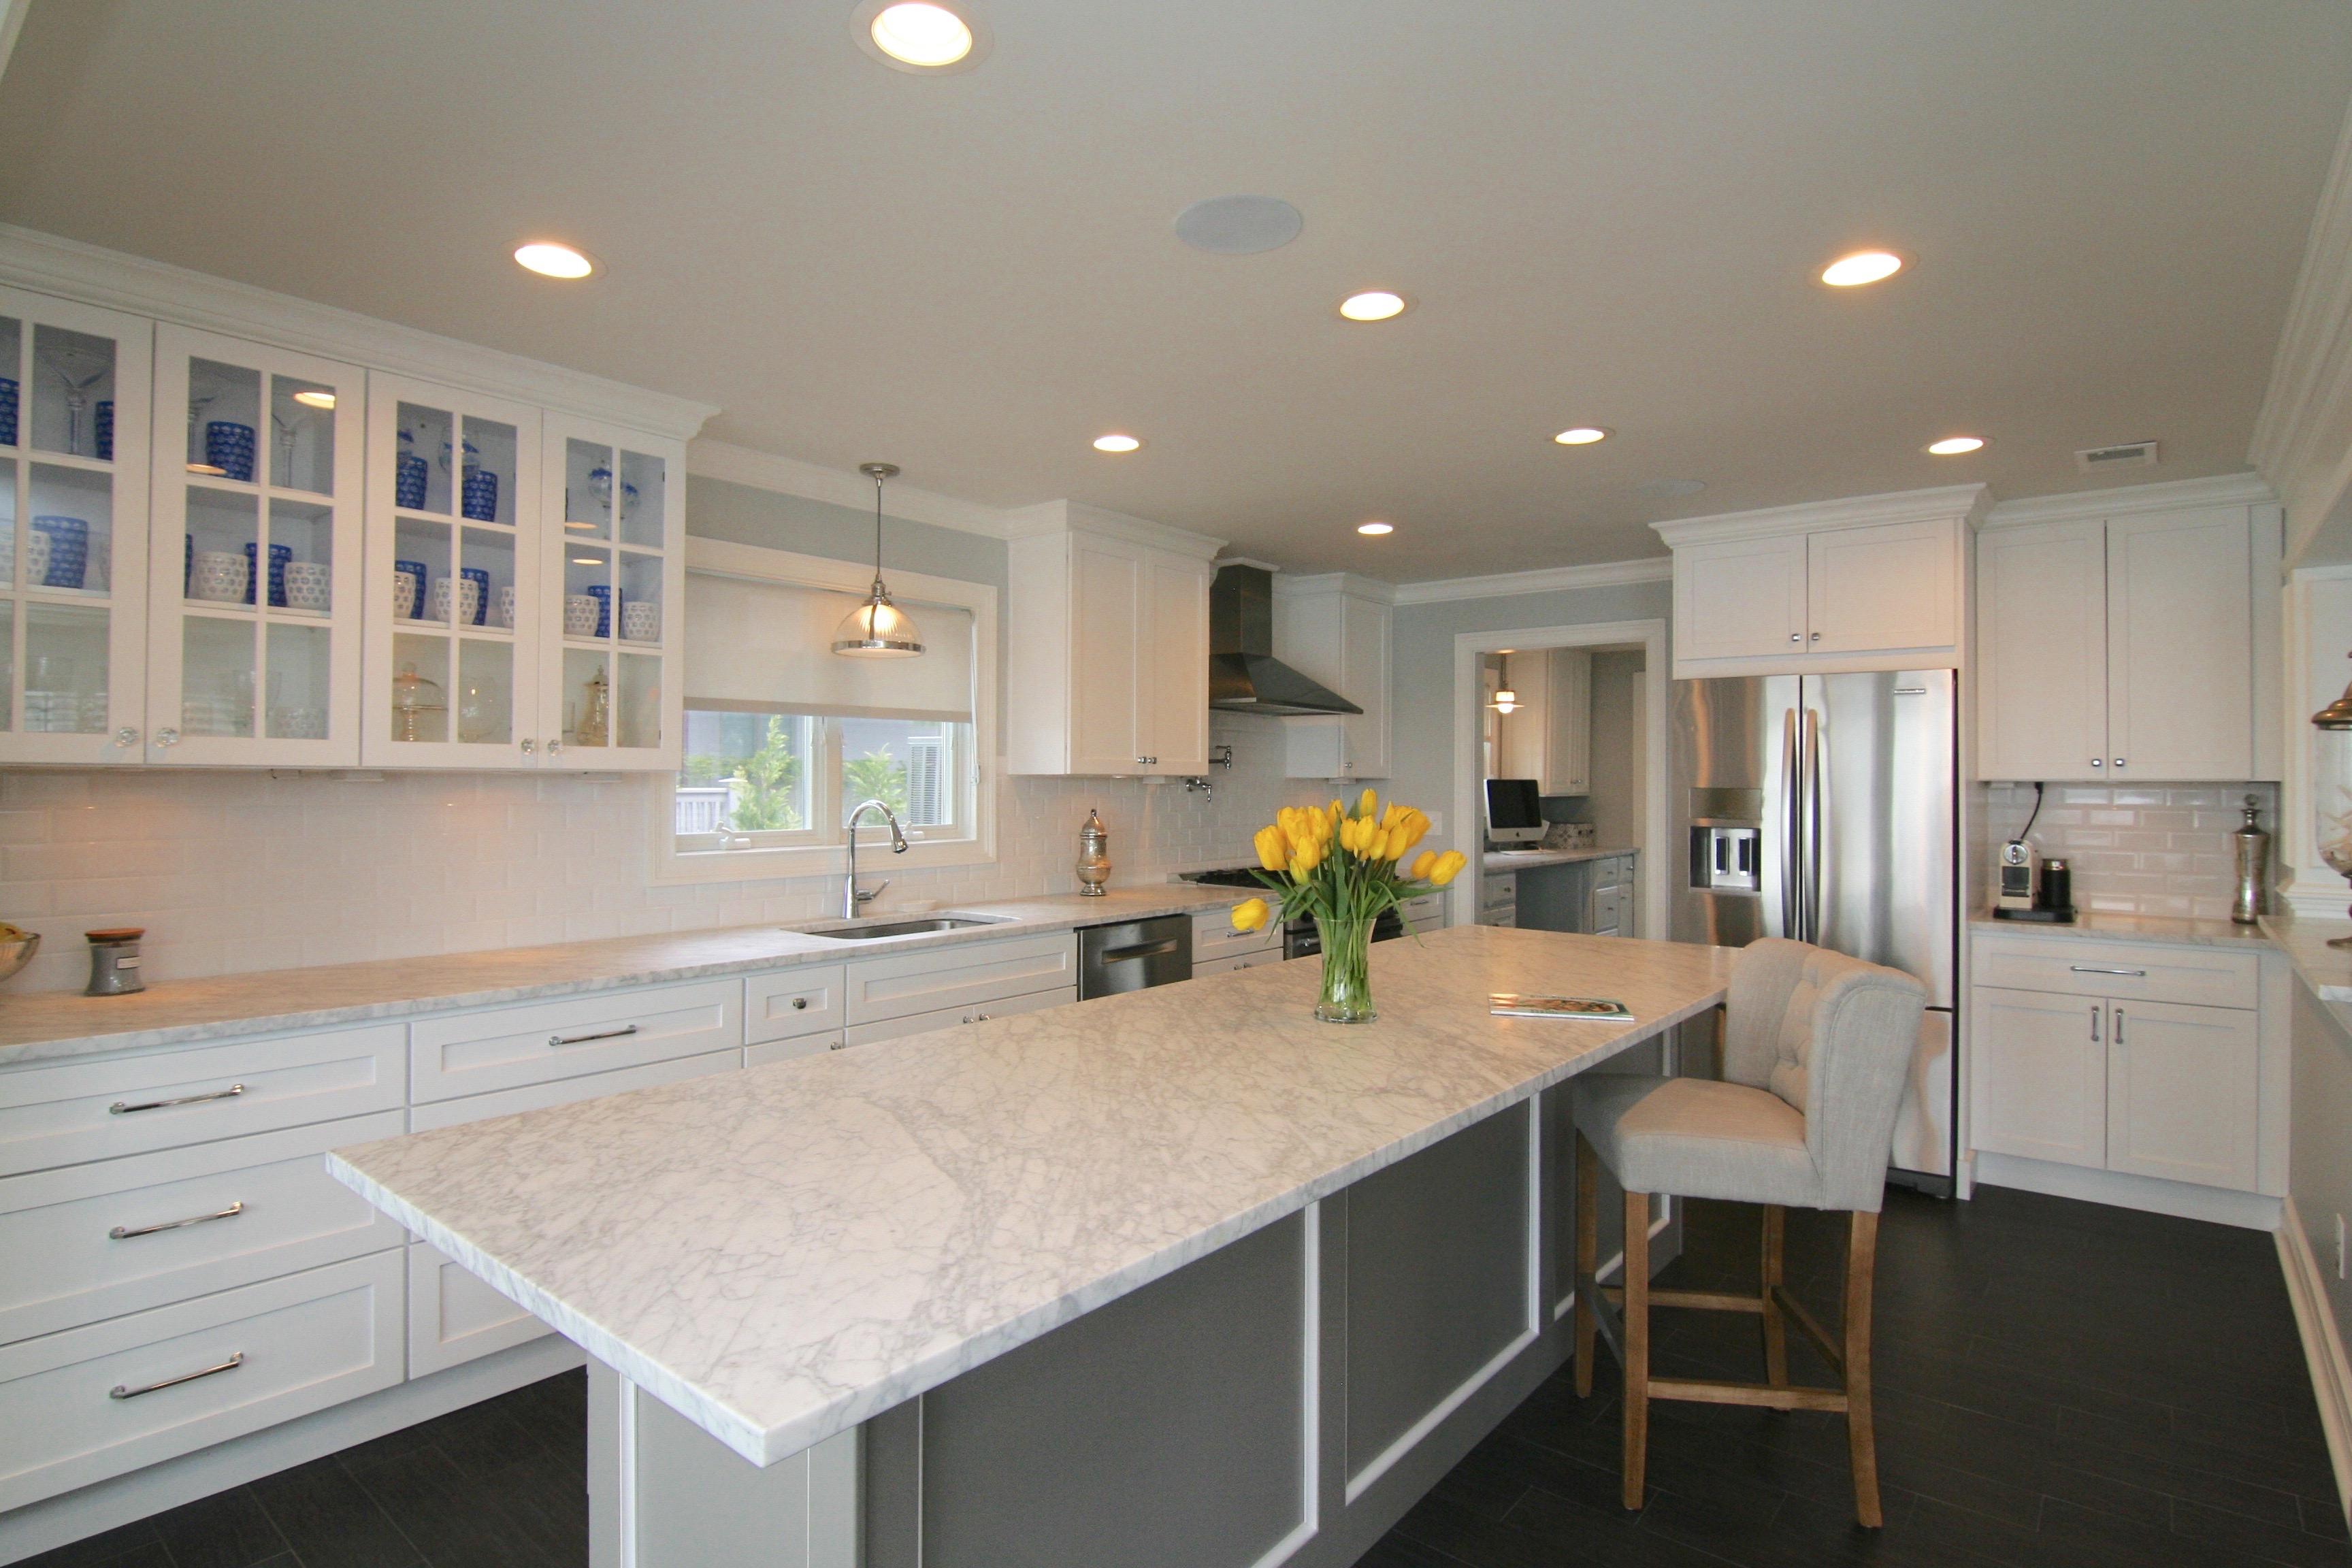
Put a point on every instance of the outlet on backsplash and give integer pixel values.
(2142, 850)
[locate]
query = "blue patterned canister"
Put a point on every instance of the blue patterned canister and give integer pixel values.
(68, 551)
(482, 601)
(187, 566)
(106, 429)
(229, 446)
(7, 410)
(603, 593)
(409, 472)
(481, 495)
(280, 554)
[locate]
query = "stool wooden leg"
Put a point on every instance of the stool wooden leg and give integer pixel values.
(1588, 1258)
(1861, 1261)
(1776, 1336)
(1637, 1345)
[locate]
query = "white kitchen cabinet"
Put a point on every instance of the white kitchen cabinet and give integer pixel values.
(2039, 1072)
(1339, 630)
(1203, 967)
(1498, 898)
(1549, 738)
(962, 977)
(1215, 938)
(1875, 583)
(2182, 1093)
(76, 385)
(905, 1024)
(455, 1317)
(1110, 648)
(2126, 646)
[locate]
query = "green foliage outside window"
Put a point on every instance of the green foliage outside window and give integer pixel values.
(878, 775)
(765, 785)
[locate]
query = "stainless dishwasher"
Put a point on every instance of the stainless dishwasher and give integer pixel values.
(1134, 955)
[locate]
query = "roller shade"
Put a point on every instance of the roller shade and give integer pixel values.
(767, 648)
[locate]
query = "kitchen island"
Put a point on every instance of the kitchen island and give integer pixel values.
(1180, 1276)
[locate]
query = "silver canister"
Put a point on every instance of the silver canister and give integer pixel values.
(2254, 847)
(114, 961)
(1094, 857)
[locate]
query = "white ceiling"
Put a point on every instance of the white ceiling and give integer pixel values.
(1609, 211)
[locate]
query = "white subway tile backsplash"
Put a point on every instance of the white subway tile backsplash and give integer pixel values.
(235, 872)
(2144, 849)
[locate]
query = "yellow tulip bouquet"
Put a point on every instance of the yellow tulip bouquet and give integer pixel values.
(1342, 871)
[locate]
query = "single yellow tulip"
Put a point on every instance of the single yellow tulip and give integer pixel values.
(1396, 813)
(1407, 833)
(1369, 803)
(1269, 846)
(1250, 914)
(1448, 866)
(1338, 809)
(1421, 863)
(1377, 848)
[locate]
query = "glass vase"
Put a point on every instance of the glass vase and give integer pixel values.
(1347, 995)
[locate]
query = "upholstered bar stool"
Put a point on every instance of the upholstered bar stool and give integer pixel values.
(1816, 1049)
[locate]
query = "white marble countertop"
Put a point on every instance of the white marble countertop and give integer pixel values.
(2303, 939)
(1532, 859)
(40, 1025)
(2090, 925)
(781, 1253)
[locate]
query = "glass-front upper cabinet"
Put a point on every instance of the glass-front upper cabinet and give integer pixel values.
(456, 612)
(608, 690)
(74, 389)
(254, 650)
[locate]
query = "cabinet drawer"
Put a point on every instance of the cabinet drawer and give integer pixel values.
(72, 1111)
(1423, 911)
(959, 977)
(568, 1090)
(949, 1017)
(508, 1048)
(796, 1002)
(759, 1055)
(1213, 936)
(285, 1347)
(192, 1221)
(1207, 966)
(2206, 977)
(1608, 912)
(453, 1317)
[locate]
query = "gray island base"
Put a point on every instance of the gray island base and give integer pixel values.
(1181, 1277)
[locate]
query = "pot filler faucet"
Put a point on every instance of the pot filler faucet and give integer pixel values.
(852, 895)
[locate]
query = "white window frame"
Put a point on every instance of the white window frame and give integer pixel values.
(913, 589)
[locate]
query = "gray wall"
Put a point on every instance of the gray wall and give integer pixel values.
(1423, 717)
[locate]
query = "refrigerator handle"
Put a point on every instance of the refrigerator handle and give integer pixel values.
(1791, 827)
(1812, 826)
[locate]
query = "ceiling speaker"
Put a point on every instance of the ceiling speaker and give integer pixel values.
(1239, 226)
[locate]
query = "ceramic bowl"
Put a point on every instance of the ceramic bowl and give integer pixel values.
(641, 622)
(465, 594)
(221, 576)
(307, 585)
(404, 596)
(37, 559)
(580, 616)
(506, 611)
(14, 955)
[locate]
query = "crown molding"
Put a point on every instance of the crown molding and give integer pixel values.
(1543, 580)
(711, 459)
(50, 265)
(1078, 517)
(1965, 501)
(2303, 435)
(2170, 495)
(1287, 586)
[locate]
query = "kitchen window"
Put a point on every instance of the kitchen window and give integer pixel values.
(784, 739)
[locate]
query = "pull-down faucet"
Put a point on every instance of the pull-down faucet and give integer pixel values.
(850, 895)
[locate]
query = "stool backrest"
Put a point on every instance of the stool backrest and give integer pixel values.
(1833, 1037)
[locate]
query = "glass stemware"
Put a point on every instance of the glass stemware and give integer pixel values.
(202, 393)
(79, 370)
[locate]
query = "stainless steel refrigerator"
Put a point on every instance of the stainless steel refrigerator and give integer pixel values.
(1823, 807)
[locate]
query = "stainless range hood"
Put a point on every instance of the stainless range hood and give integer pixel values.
(1243, 675)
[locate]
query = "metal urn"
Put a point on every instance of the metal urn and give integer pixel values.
(1094, 857)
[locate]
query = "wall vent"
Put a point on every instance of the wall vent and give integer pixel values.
(2133, 455)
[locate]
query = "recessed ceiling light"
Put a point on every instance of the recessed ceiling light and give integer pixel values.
(1116, 443)
(1861, 267)
(549, 259)
(1953, 445)
(315, 399)
(1376, 528)
(1372, 305)
(917, 33)
(1582, 435)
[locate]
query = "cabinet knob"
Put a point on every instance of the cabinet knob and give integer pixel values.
(2096, 763)
(553, 747)
(126, 736)
(528, 746)
(167, 737)
(799, 1003)
(1796, 636)
(1817, 637)
(2119, 762)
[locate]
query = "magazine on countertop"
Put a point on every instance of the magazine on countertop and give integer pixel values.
(1511, 1005)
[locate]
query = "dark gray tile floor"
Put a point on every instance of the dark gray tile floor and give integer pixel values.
(2060, 1386)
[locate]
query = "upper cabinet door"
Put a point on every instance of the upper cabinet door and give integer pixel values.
(2041, 652)
(1175, 668)
(1883, 588)
(76, 390)
(1742, 598)
(2181, 675)
(254, 650)
(1108, 614)
(609, 568)
(1366, 628)
(1568, 747)
(457, 607)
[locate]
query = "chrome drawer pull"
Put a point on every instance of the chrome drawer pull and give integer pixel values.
(121, 1109)
(124, 1233)
(119, 1392)
(2102, 969)
(600, 1035)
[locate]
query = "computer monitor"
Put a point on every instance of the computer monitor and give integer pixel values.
(1513, 814)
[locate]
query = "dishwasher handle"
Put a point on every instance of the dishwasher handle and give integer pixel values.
(1140, 950)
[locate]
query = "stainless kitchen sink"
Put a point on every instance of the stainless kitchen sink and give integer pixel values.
(867, 930)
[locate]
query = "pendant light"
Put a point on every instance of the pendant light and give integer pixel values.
(877, 628)
(1506, 702)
